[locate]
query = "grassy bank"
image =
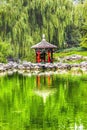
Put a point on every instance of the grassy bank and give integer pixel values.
(71, 51)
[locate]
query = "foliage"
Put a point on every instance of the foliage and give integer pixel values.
(84, 38)
(84, 42)
(72, 35)
(83, 28)
(22, 23)
(5, 51)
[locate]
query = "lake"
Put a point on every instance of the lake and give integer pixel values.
(43, 102)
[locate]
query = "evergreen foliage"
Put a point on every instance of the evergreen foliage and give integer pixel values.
(5, 51)
(22, 23)
(84, 37)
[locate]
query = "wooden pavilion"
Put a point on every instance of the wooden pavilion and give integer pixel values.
(44, 51)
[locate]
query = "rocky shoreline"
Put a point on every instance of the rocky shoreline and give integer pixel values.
(59, 67)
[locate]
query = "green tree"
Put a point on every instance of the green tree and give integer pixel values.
(23, 20)
(5, 51)
(72, 35)
(84, 37)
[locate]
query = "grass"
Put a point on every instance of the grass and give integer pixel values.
(70, 51)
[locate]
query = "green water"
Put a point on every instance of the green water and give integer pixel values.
(43, 102)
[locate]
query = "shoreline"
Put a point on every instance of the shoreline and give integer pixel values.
(68, 64)
(28, 68)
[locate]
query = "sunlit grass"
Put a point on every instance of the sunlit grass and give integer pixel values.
(71, 51)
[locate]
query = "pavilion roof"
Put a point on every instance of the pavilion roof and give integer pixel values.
(43, 44)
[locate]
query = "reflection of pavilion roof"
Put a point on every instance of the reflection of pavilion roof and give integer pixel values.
(43, 44)
(44, 93)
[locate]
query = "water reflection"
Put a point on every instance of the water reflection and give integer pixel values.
(43, 103)
(43, 86)
(45, 80)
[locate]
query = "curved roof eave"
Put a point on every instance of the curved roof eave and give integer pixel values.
(43, 44)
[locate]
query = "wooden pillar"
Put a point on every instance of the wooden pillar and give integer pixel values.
(44, 57)
(52, 56)
(38, 56)
(49, 60)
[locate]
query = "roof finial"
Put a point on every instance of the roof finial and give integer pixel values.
(43, 36)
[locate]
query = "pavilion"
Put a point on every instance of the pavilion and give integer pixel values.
(44, 51)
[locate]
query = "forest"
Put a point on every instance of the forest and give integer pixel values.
(22, 23)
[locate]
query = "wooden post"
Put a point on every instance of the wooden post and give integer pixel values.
(38, 56)
(49, 57)
(44, 57)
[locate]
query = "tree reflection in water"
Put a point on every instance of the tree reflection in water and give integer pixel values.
(50, 102)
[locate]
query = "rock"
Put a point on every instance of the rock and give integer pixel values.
(36, 67)
(63, 66)
(2, 68)
(73, 57)
(26, 64)
(1, 64)
(83, 64)
(49, 65)
(85, 58)
(20, 67)
(75, 65)
(15, 65)
(9, 65)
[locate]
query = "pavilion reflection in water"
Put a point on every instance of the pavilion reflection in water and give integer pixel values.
(44, 86)
(43, 81)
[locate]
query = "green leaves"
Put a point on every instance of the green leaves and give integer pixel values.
(84, 35)
(84, 42)
(5, 51)
(20, 19)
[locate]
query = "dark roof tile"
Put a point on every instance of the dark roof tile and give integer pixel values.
(43, 44)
